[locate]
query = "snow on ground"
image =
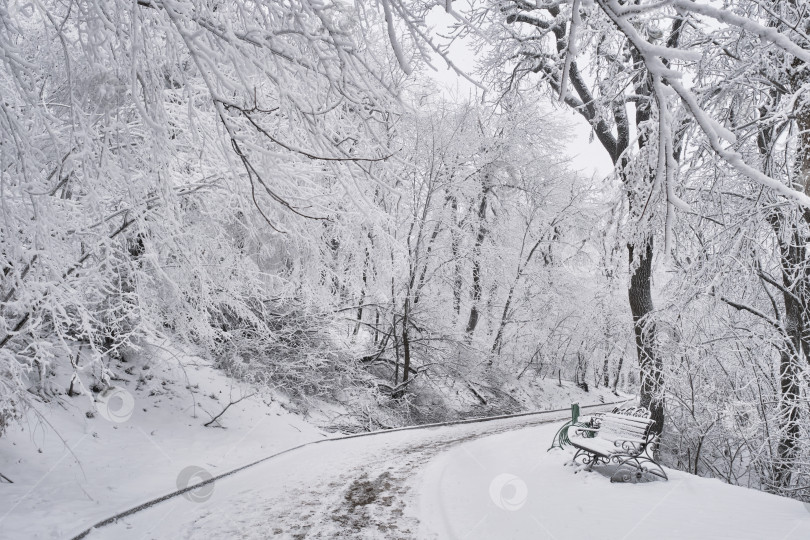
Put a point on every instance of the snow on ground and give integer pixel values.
(538, 394)
(353, 488)
(108, 465)
(490, 480)
(502, 487)
(480, 480)
(76, 462)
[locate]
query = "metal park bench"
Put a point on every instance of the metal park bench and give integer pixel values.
(622, 436)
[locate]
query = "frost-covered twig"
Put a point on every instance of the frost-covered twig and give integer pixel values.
(711, 128)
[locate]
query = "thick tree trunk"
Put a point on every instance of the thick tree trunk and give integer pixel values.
(641, 305)
(791, 233)
(640, 291)
(793, 262)
(788, 411)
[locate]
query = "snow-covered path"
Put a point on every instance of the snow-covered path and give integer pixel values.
(364, 487)
(490, 480)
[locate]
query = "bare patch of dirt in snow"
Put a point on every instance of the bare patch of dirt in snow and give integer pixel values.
(373, 505)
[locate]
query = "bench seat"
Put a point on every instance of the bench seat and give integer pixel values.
(603, 447)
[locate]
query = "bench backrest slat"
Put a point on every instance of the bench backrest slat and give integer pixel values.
(634, 425)
(627, 419)
(609, 426)
(625, 424)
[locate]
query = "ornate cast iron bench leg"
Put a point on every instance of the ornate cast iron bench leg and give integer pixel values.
(642, 462)
(623, 474)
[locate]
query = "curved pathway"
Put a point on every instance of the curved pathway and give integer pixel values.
(351, 487)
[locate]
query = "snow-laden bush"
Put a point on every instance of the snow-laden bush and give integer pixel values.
(151, 180)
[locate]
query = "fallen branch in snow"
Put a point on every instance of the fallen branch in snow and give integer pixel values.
(401, 386)
(6, 478)
(476, 393)
(214, 419)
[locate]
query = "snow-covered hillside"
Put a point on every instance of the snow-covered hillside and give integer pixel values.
(75, 461)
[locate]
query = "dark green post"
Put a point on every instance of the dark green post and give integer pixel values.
(561, 437)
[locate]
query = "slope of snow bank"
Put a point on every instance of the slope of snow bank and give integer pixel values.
(76, 462)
